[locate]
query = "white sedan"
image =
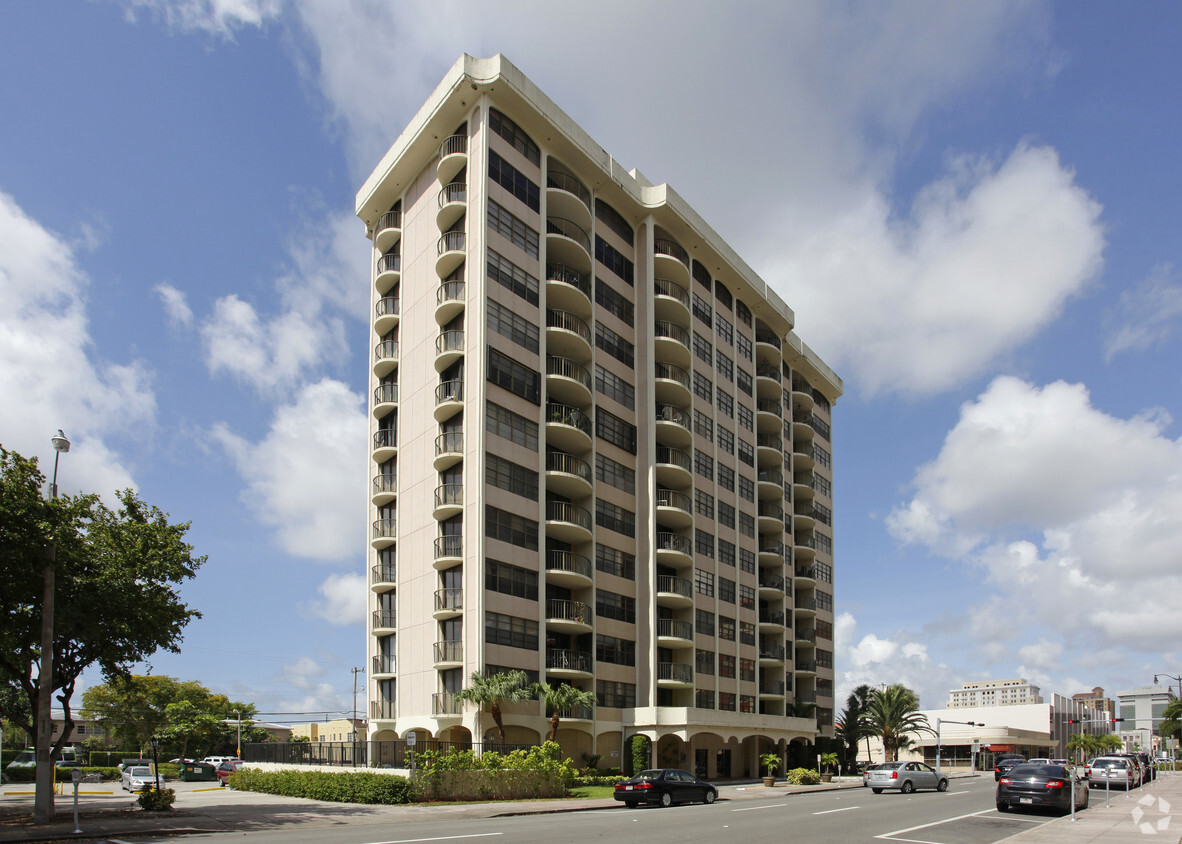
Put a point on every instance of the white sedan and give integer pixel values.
(138, 778)
(906, 777)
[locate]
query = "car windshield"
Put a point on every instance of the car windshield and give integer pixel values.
(141, 772)
(1108, 763)
(649, 775)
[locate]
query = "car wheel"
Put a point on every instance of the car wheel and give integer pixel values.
(666, 800)
(1003, 807)
(907, 787)
(631, 804)
(942, 785)
(709, 796)
(877, 790)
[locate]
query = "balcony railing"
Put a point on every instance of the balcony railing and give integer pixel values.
(449, 650)
(389, 220)
(570, 229)
(674, 457)
(384, 710)
(675, 628)
(675, 499)
(771, 617)
(565, 414)
(671, 289)
(385, 482)
(385, 438)
(806, 635)
(385, 528)
(669, 413)
(560, 461)
(384, 618)
(449, 391)
(391, 262)
(564, 511)
(386, 350)
(449, 341)
(567, 182)
(568, 322)
(663, 246)
(770, 510)
(454, 192)
(456, 144)
(450, 443)
(675, 542)
(675, 585)
(769, 441)
(806, 603)
(773, 406)
(568, 561)
(672, 331)
(384, 573)
(385, 393)
(771, 651)
(771, 687)
(449, 546)
(771, 581)
(766, 370)
(451, 598)
(384, 664)
(449, 495)
(676, 671)
(387, 306)
(806, 665)
(445, 703)
(671, 372)
(450, 291)
(567, 368)
(567, 660)
(762, 335)
(451, 242)
(576, 713)
(568, 610)
(569, 275)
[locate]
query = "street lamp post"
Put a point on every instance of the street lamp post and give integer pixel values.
(940, 722)
(43, 799)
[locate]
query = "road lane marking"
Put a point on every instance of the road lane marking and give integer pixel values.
(441, 838)
(927, 825)
(757, 808)
(831, 811)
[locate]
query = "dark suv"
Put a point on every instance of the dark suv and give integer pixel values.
(1003, 764)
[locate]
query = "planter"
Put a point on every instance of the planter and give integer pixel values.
(768, 782)
(826, 777)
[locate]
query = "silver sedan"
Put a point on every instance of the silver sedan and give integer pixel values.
(906, 777)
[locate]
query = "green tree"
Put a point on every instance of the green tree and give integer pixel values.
(561, 698)
(494, 690)
(1171, 726)
(118, 573)
(895, 717)
(853, 724)
(1082, 746)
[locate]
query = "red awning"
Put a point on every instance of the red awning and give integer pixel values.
(996, 748)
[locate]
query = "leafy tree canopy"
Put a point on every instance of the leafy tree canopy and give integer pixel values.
(118, 573)
(894, 715)
(492, 691)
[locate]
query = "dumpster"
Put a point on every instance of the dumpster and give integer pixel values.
(198, 772)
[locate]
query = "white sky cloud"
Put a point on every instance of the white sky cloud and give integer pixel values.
(50, 376)
(176, 304)
(217, 17)
(1147, 315)
(343, 600)
(872, 660)
(306, 477)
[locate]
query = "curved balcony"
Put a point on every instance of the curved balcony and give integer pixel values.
(769, 416)
(384, 622)
(805, 606)
(671, 343)
(385, 489)
(383, 578)
(445, 705)
(769, 450)
(384, 666)
(449, 300)
(568, 243)
(670, 260)
(674, 467)
(771, 484)
(449, 400)
(804, 549)
(675, 675)
(805, 637)
(567, 663)
(568, 288)
(671, 384)
(568, 522)
(804, 486)
(566, 568)
(803, 435)
(772, 553)
(453, 157)
(568, 197)
(771, 619)
(389, 272)
(771, 517)
(568, 616)
(567, 335)
(385, 399)
(450, 253)
(385, 444)
(449, 551)
(577, 713)
(671, 301)
(385, 532)
(803, 460)
(449, 653)
(449, 602)
(802, 397)
(449, 348)
(771, 585)
(771, 654)
(771, 689)
(673, 633)
(675, 509)
(805, 666)
(803, 517)
(767, 347)
(449, 500)
(673, 426)
(382, 710)
(388, 230)
(568, 475)
(567, 427)
(806, 576)
(567, 381)
(674, 592)
(385, 358)
(386, 313)
(767, 381)
(453, 204)
(674, 550)
(449, 450)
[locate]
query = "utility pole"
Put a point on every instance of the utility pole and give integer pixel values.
(353, 723)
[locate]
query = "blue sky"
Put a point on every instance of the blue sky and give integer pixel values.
(972, 208)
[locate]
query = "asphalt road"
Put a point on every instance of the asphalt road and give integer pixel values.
(965, 814)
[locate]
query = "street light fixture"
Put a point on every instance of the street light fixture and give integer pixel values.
(43, 798)
(940, 722)
(1168, 687)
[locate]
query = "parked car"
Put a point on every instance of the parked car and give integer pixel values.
(1147, 769)
(24, 759)
(1004, 763)
(866, 773)
(906, 777)
(226, 768)
(138, 777)
(217, 760)
(1113, 771)
(664, 786)
(1041, 785)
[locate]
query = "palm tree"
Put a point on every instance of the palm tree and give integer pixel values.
(894, 715)
(492, 691)
(561, 698)
(1171, 725)
(853, 724)
(799, 709)
(1082, 744)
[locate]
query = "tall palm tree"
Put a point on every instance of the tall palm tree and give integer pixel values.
(561, 698)
(1171, 726)
(495, 689)
(894, 715)
(853, 723)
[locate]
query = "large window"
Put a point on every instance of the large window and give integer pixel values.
(511, 528)
(747, 597)
(510, 324)
(613, 650)
(614, 220)
(702, 310)
(726, 628)
(704, 464)
(703, 698)
(511, 631)
(615, 474)
(512, 180)
(507, 475)
(704, 503)
(513, 229)
(704, 662)
(726, 666)
(614, 344)
(704, 622)
(615, 430)
(615, 387)
(612, 302)
(615, 695)
(726, 590)
(703, 349)
(704, 582)
(704, 543)
(612, 605)
(703, 388)
(613, 561)
(513, 133)
(724, 365)
(509, 275)
(515, 377)
(611, 258)
(510, 580)
(608, 515)
(512, 426)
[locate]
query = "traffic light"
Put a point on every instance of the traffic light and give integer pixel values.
(1117, 720)
(1072, 721)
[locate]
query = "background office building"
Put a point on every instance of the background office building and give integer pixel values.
(600, 454)
(994, 693)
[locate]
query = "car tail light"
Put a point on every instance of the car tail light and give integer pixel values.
(894, 775)
(1055, 784)
(1004, 781)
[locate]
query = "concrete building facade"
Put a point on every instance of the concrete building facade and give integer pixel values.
(994, 693)
(600, 452)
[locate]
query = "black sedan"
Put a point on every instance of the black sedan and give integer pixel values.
(1003, 764)
(1049, 786)
(664, 786)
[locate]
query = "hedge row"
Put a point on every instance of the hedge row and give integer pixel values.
(167, 772)
(343, 787)
(586, 781)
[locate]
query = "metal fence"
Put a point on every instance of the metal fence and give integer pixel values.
(362, 754)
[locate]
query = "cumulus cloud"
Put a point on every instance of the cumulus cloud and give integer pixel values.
(1147, 315)
(1061, 504)
(305, 478)
(50, 375)
(343, 600)
(176, 304)
(216, 17)
(873, 660)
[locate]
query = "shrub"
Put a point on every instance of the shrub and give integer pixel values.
(343, 787)
(641, 753)
(588, 780)
(803, 776)
(152, 800)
